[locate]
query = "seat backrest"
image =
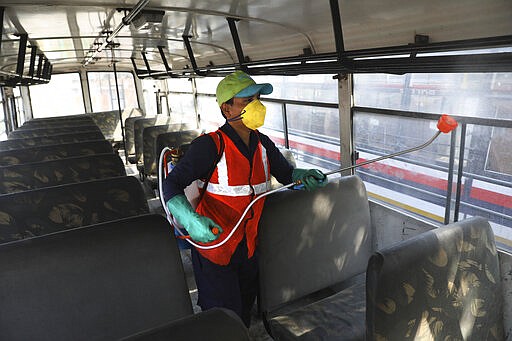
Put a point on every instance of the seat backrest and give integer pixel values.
(51, 209)
(309, 241)
(138, 130)
(58, 122)
(27, 133)
(129, 133)
(50, 140)
(54, 152)
(100, 282)
(24, 177)
(153, 145)
(441, 285)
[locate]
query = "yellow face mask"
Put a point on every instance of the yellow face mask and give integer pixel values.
(253, 115)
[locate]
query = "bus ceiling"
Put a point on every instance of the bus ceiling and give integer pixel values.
(283, 37)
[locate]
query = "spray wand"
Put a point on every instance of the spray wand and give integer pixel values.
(445, 125)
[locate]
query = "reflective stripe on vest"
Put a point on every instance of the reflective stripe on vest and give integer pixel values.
(223, 187)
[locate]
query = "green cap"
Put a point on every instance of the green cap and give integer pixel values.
(240, 84)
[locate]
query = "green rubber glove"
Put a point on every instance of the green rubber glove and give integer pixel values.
(310, 178)
(198, 226)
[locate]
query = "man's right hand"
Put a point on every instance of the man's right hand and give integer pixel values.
(199, 227)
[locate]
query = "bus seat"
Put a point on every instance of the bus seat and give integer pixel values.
(309, 244)
(153, 146)
(129, 135)
(216, 324)
(24, 177)
(99, 282)
(50, 131)
(443, 284)
(110, 124)
(64, 121)
(138, 130)
(149, 135)
(51, 209)
(54, 152)
(19, 143)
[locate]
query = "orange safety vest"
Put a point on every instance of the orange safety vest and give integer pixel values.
(233, 185)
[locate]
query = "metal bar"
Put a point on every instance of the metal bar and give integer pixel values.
(186, 40)
(33, 53)
(120, 110)
(2, 9)
(146, 62)
(236, 41)
(337, 28)
(134, 65)
(285, 126)
(39, 71)
(461, 119)
(21, 54)
(46, 69)
(460, 171)
(125, 22)
(449, 186)
(164, 59)
(386, 156)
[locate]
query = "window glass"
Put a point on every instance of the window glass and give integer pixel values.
(182, 107)
(62, 96)
(209, 111)
(418, 182)
(315, 88)
(461, 94)
(179, 84)
(415, 182)
(102, 87)
(314, 135)
(207, 85)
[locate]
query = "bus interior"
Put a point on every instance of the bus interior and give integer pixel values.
(415, 246)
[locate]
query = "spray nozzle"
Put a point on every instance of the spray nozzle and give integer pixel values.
(446, 124)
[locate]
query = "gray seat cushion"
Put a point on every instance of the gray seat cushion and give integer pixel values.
(337, 317)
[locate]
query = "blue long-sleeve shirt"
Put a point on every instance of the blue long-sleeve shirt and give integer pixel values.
(200, 159)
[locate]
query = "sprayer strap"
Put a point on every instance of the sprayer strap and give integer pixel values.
(219, 156)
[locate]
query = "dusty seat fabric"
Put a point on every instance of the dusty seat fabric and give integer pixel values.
(310, 241)
(42, 211)
(441, 285)
(100, 282)
(54, 152)
(26, 133)
(337, 317)
(149, 136)
(50, 140)
(154, 145)
(24, 177)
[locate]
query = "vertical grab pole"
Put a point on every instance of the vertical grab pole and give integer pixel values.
(120, 112)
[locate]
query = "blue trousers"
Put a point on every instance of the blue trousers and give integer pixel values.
(233, 286)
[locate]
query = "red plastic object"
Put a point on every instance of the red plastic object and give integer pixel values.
(446, 124)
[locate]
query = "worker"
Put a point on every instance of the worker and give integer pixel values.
(231, 167)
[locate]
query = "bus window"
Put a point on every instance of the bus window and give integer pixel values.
(418, 182)
(102, 87)
(181, 100)
(3, 121)
(207, 107)
(60, 97)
